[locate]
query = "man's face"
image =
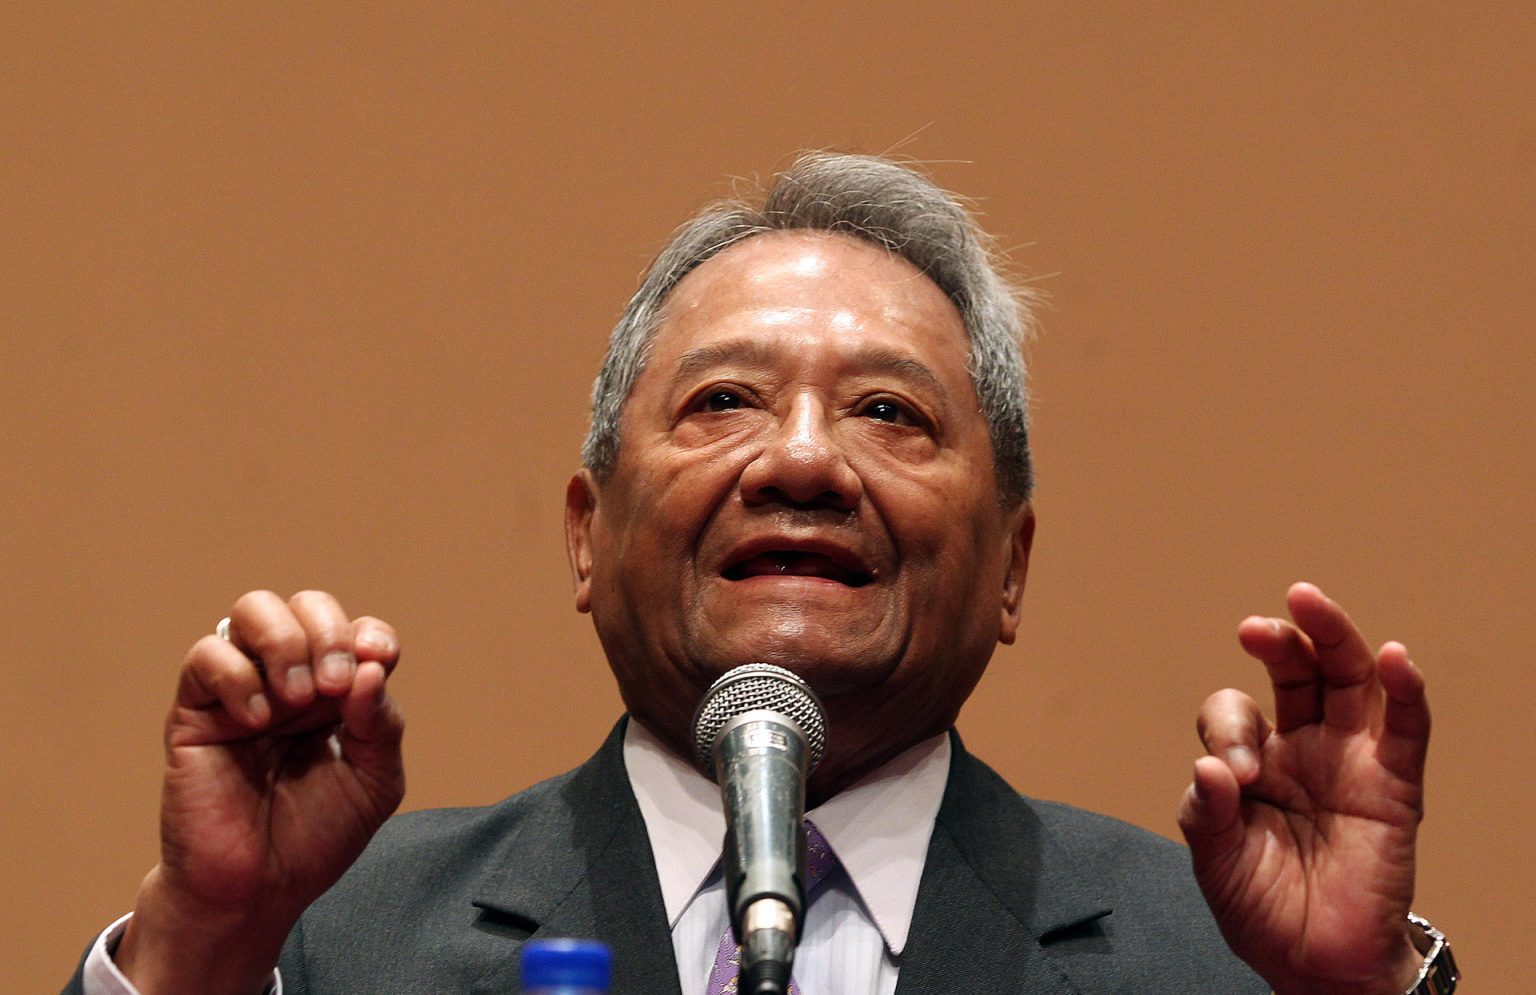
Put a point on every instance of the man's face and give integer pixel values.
(804, 478)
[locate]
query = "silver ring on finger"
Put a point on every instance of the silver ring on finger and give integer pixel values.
(222, 629)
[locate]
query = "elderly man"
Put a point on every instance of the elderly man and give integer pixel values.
(808, 448)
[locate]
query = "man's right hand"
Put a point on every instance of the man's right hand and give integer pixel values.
(282, 760)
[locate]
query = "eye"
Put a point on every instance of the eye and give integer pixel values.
(721, 399)
(886, 410)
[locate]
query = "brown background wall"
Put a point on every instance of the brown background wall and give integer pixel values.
(306, 297)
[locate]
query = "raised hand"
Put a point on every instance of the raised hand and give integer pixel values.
(282, 759)
(1302, 830)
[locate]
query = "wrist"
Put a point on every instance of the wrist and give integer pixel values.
(176, 943)
(1421, 945)
(1407, 975)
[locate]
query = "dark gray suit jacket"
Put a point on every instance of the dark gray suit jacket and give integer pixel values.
(1017, 896)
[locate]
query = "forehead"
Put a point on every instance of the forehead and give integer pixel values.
(799, 280)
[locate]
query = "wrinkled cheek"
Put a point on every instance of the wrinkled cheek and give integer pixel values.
(642, 592)
(948, 604)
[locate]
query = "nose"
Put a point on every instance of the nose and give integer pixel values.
(803, 464)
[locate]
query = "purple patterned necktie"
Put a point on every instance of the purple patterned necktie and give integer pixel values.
(818, 861)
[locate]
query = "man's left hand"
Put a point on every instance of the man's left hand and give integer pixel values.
(1302, 831)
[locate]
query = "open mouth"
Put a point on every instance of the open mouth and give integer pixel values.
(797, 563)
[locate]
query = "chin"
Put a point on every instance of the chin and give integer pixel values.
(835, 676)
(828, 673)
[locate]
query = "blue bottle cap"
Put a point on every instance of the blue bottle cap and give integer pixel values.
(575, 963)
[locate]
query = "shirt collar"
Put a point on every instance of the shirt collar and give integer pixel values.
(879, 828)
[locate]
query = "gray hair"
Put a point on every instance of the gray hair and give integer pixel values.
(881, 202)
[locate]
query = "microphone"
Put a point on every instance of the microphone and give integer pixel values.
(759, 732)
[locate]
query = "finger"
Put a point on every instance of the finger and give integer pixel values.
(215, 674)
(1209, 812)
(367, 712)
(375, 640)
(1287, 654)
(372, 726)
(262, 625)
(1406, 724)
(1351, 694)
(329, 633)
(1233, 729)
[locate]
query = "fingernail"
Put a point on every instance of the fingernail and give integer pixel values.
(257, 708)
(336, 667)
(300, 683)
(1242, 761)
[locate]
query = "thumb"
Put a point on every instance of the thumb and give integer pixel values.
(1210, 813)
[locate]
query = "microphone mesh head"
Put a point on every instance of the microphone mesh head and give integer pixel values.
(755, 686)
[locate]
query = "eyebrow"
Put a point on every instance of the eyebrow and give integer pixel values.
(874, 359)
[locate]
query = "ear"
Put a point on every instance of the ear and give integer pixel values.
(580, 506)
(1023, 537)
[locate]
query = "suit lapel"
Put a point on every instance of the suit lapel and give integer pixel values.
(582, 867)
(995, 889)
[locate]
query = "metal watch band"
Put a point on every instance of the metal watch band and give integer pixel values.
(1439, 975)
